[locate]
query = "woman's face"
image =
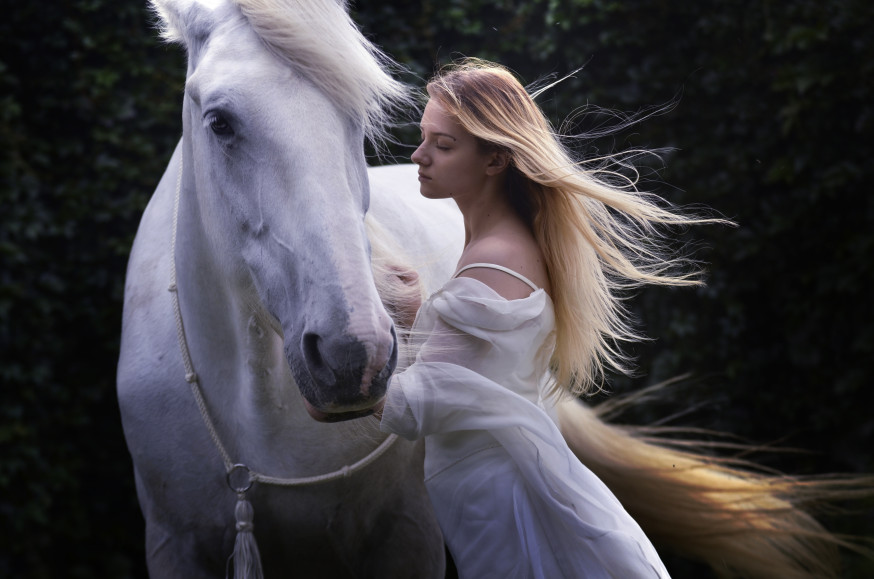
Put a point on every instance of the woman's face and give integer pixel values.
(451, 162)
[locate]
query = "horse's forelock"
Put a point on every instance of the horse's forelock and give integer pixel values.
(320, 39)
(316, 36)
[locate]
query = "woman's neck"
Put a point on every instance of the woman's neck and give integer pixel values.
(486, 212)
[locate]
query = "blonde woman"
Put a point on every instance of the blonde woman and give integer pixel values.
(534, 288)
(549, 244)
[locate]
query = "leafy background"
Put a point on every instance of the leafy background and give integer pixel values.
(772, 127)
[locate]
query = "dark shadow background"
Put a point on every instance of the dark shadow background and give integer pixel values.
(773, 128)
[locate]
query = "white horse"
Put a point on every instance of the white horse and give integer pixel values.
(273, 318)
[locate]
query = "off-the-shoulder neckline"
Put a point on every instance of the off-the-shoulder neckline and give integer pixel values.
(499, 296)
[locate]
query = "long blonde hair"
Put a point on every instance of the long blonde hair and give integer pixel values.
(599, 234)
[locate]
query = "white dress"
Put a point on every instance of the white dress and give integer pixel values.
(512, 499)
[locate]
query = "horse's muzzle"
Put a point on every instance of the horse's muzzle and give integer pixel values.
(340, 378)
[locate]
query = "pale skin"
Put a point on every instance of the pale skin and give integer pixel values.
(452, 163)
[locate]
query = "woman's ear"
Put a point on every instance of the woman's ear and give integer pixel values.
(498, 163)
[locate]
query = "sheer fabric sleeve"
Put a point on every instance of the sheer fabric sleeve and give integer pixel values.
(476, 341)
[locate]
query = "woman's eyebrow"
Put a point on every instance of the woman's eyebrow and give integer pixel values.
(422, 130)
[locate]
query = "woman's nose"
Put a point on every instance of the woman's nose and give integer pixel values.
(418, 157)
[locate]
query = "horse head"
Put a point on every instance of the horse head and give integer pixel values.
(279, 97)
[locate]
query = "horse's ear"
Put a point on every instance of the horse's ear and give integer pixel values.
(170, 23)
(184, 21)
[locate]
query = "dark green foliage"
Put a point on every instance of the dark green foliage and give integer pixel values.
(773, 128)
(89, 112)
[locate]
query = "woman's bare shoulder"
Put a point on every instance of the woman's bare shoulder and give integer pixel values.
(517, 252)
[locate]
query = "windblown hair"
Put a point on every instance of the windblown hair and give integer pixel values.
(320, 39)
(728, 512)
(600, 236)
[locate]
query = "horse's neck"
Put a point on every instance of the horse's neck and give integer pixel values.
(242, 369)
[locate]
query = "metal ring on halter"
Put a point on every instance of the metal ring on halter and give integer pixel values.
(249, 480)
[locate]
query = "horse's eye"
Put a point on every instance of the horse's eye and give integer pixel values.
(219, 125)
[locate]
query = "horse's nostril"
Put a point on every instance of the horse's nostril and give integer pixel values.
(345, 369)
(311, 351)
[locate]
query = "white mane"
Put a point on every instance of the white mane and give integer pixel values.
(319, 38)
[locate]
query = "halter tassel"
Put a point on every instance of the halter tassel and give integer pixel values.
(247, 559)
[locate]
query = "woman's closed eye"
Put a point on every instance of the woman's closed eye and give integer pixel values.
(438, 146)
(439, 142)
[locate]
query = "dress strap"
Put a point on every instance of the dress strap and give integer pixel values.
(507, 270)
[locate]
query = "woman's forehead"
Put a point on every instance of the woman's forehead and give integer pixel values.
(436, 119)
